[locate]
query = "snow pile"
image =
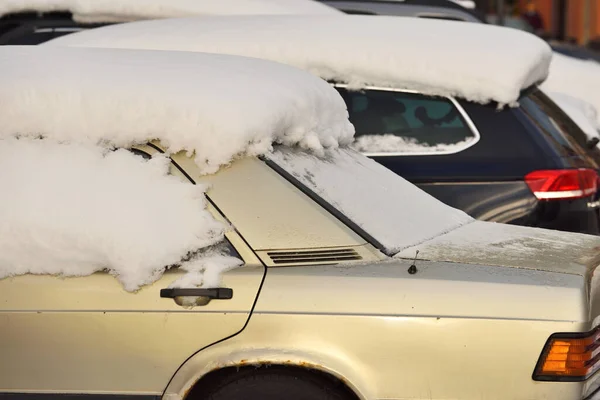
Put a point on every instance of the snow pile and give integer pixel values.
(581, 112)
(474, 61)
(392, 210)
(576, 78)
(219, 106)
(91, 11)
(389, 143)
(72, 210)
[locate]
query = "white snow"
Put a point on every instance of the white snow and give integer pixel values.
(489, 243)
(581, 112)
(219, 106)
(579, 79)
(74, 209)
(474, 61)
(470, 4)
(390, 143)
(392, 210)
(89, 11)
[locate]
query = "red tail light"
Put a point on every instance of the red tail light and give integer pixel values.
(555, 184)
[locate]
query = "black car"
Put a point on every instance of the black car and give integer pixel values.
(514, 165)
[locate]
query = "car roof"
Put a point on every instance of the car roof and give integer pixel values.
(218, 106)
(443, 9)
(358, 50)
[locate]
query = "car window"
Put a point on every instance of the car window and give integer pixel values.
(399, 123)
(554, 123)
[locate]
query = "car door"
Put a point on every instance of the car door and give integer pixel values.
(88, 335)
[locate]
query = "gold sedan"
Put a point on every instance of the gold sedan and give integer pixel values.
(321, 308)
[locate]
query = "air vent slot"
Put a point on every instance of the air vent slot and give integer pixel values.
(313, 256)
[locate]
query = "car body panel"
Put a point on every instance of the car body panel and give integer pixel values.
(504, 245)
(265, 218)
(504, 201)
(434, 340)
(87, 335)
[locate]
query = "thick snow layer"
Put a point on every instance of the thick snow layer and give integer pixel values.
(489, 243)
(474, 61)
(219, 106)
(581, 112)
(128, 10)
(579, 79)
(395, 212)
(72, 210)
(389, 143)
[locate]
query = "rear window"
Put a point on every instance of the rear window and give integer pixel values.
(399, 123)
(558, 128)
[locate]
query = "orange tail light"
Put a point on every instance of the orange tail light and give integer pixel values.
(569, 357)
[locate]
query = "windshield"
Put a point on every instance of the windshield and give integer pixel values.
(394, 213)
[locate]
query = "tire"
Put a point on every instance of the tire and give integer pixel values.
(273, 383)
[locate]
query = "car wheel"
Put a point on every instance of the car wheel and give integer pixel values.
(273, 383)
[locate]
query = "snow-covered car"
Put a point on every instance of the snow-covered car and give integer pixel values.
(30, 22)
(301, 270)
(465, 123)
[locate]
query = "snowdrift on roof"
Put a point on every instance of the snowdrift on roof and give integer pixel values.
(73, 209)
(579, 79)
(92, 11)
(581, 112)
(474, 61)
(219, 106)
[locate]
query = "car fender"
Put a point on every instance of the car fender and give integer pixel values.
(223, 355)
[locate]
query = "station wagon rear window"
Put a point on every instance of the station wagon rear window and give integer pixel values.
(390, 122)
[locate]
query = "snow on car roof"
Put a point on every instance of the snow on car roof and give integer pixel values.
(128, 10)
(474, 61)
(219, 106)
(576, 78)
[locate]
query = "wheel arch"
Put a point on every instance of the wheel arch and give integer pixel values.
(217, 359)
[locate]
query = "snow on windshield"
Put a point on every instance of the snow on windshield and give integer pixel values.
(72, 210)
(393, 211)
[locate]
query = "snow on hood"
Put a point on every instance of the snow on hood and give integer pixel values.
(581, 112)
(219, 106)
(74, 209)
(576, 78)
(91, 11)
(474, 61)
(489, 243)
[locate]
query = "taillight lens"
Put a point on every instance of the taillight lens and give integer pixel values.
(569, 357)
(555, 184)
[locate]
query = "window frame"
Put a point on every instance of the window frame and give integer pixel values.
(232, 236)
(455, 103)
